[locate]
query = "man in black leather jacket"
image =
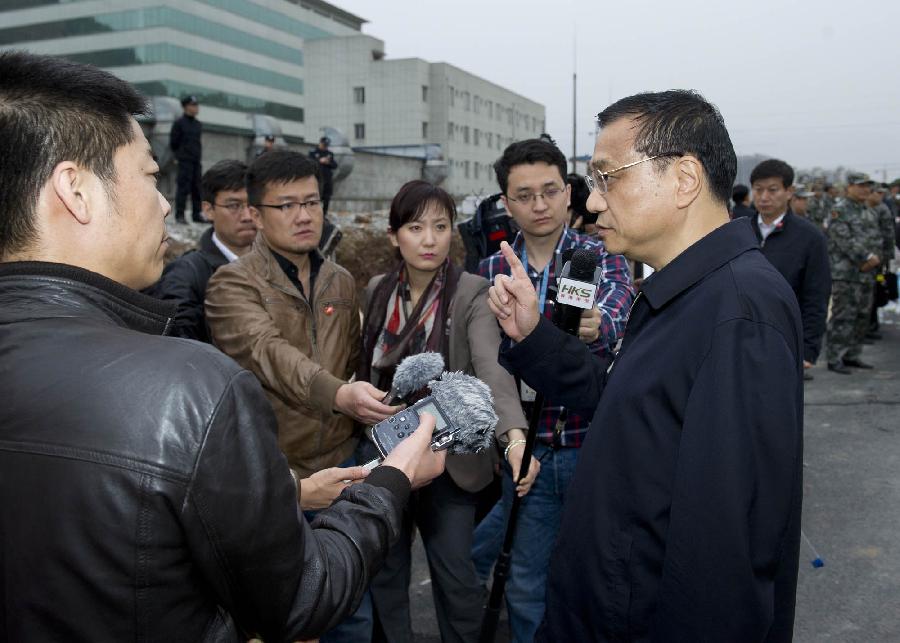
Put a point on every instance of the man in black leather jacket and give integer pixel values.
(142, 495)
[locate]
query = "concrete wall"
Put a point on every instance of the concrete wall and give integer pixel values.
(375, 179)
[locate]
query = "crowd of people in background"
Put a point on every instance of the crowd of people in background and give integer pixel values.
(849, 265)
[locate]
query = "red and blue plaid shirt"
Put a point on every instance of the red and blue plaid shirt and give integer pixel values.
(614, 297)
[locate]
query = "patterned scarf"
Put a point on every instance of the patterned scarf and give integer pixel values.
(394, 329)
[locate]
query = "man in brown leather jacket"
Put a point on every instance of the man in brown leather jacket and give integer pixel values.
(291, 318)
(143, 495)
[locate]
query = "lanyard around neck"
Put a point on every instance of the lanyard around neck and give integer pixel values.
(545, 278)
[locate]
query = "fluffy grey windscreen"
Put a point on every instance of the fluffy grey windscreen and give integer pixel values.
(415, 371)
(468, 403)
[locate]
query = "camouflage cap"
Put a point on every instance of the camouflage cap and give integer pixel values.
(801, 191)
(858, 178)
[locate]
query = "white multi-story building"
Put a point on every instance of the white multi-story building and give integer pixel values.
(304, 63)
(236, 56)
(379, 102)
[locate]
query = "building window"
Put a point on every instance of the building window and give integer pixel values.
(359, 95)
(490, 139)
(450, 131)
(477, 105)
(452, 97)
(477, 136)
(465, 134)
(466, 169)
(476, 168)
(424, 129)
(424, 93)
(359, 131)
(490, 109)
(468, 98)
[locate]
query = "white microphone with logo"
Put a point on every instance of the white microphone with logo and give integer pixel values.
(577, 290)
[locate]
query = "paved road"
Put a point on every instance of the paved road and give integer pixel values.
(851, 511)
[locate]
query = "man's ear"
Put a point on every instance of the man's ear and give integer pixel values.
(74, 188)
(207, 209)
(257, 217)
(689, 178)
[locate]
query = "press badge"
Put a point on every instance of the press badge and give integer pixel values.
(528, 394)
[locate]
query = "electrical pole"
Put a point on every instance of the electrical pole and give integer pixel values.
(575, 98)
(574, 122)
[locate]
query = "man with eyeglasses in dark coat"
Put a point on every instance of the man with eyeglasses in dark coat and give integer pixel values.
(184, 280)
(683, 517)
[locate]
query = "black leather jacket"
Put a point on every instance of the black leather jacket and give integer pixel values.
(142, 493)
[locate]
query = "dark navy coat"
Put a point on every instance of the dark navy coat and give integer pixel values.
(798, 248)
(683, 519)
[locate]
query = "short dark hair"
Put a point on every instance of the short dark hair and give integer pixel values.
(528, 152)
(225, 175)
(277, 166)
(411, 200)
(54, 110)
(677, 122)
(739, 192)
(773, 169)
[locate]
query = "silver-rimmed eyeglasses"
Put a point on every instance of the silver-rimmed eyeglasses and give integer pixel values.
(530, 198)
(597, 180)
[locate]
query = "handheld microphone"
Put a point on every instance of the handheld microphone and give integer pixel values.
(576, 290)
(414, 372)
(463, 409)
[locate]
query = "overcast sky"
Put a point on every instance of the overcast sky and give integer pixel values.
(813, 83)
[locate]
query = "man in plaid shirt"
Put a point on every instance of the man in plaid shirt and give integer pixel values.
(532, 174)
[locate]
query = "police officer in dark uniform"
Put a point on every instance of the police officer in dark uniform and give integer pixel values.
(184, 139)
(327, 165)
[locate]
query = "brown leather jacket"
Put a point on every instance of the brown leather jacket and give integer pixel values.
(300, 353)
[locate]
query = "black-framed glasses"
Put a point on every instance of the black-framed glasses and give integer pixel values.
(233, 207)
(530, 198)
(294, 207)
(599, 181)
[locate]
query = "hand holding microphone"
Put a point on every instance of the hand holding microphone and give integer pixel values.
(459, 412)
(415, 457)
(362, 402)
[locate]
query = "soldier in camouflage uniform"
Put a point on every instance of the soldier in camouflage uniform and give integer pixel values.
(854, 246)
(886, 223)
(886, 227)
(822, 206)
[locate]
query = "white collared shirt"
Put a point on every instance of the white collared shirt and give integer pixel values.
(765, 229)
(225, 250)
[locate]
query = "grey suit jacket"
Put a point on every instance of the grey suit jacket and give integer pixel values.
(474, 346)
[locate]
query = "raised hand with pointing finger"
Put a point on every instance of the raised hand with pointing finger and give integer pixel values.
(513, 299)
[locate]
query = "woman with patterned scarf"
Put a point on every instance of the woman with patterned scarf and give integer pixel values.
(429, 304)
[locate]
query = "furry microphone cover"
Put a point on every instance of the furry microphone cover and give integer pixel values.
(414, 372)
(468, 403)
